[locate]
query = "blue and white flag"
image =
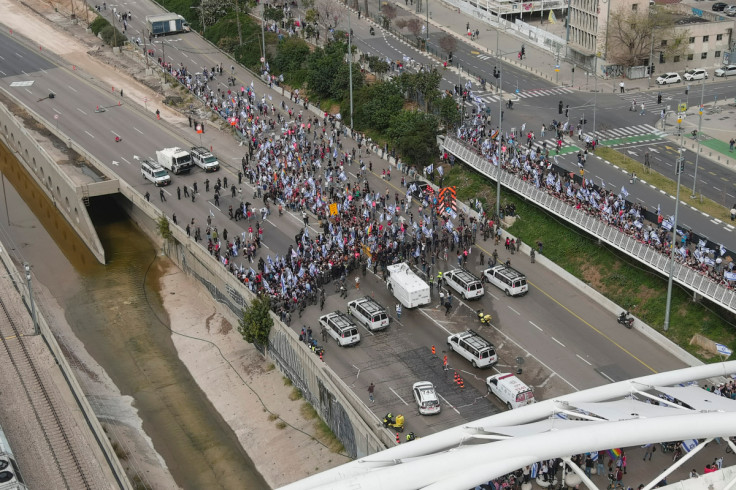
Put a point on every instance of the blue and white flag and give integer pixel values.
(440, 171)
(722, 249)
(624, 191)
(534, 470)
(723, 350)
(428, 171)
(689, 445)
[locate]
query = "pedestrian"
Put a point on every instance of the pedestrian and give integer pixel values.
(217, 199)
(173, 218)
(601, 457)
(442, 298)
(357, 283)
(623, 461)
(371, 387)
(694, 474)
(148, 199)
(161, 195)
(448, 306)
(158, 114)
(730, 144)
(621, 87)
(190, 121)
(398, 311)
(619, 476)
(207, 185)
(642, 109)
(648, 451)
(178, 193)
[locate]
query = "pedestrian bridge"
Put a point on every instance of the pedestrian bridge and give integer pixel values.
(691, 279)
(658, 407)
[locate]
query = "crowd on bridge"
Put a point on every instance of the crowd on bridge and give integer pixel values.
(521, 154)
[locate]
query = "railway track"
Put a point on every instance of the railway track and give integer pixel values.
(60, 449)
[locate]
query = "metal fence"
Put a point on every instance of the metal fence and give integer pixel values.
(683, 275)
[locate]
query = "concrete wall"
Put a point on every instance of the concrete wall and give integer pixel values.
(65, 194)
(357, 427)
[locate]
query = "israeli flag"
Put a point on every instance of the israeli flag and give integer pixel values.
(730, 276)
(722, 249)
(440, 171)
(534, 470)
(723, 350)
(624, 191)
(428, 170)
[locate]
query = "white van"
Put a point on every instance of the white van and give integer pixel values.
(407, 287)
(474, 348)
(340, 328)
(510, 390)
(155, 173)
(466, 284)
(509, 280)
(204, 159)
(369, 312)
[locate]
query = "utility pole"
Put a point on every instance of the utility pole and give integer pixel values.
(350, 69)
(595, 92)
(426, 41)
(679, 168)
(237, 18)
(263, 38)
(30, 298)
(500, 155)
(697, 135)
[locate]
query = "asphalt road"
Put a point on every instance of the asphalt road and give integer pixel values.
(568, 342)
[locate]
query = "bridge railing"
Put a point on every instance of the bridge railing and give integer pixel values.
(683, 275)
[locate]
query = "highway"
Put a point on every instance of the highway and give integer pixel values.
(567, 341)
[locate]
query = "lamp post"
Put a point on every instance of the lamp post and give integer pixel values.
(697, 135)
(500, 156)
(350, 69)
(30, 298)
(679, 168)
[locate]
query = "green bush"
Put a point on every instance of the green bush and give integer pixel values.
(98, 24)
(112, 36)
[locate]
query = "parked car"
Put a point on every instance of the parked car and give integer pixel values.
(696, 74)
(726, 71)
(729, 10)
(426, 398)
(719, 6)
(668, 78)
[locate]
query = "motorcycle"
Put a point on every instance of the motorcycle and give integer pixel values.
(397, 424)
(625, 320)
(373, 32)
(485, 319)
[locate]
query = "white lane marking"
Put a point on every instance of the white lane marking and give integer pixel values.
(607, 376)
(126, 161)
(56, 111)
(435, 321)
(71, 88)
(510, 308)
(138, 130)
(533, 356)
(448, 403)
(29, 91)
(493, 296)
(583, 359)
(115, 134)
(537, 326)
(89, 133)
(397, 395)
(80, 110)
(563, 345)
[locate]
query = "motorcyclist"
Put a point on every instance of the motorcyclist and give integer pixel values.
(373, 32)
(410, 437)
(623, 316)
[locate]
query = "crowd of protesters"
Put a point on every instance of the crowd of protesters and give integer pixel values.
(530, 160)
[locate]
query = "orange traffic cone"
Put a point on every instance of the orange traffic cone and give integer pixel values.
(462, 383)
(398, 441)
(321, 357)
(455, 377)
(459, 380)
(434, 351)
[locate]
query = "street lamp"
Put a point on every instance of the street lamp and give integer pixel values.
(697, 135)
(30, 298)
(679, 169)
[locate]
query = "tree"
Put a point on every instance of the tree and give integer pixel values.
(414, 134)
(389, 13)
(414, 26)
(446, 108)
(163, 228)
(448, 44)
(257, 321)
(631, 36)
(291, 56)
(328, 12)
(375, 104)
(273, 13)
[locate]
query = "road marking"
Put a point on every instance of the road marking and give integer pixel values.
(592, 327)
(115, 134)
(56, 111)
(510, 308)
(563, 345)
(138, 130)
(126, 161)
(583, 359)
(607, 376)
(71, 88)
(89, 133)
(80, 110)
(399, 397)
(493, 296)
(529, 354)
(536, 326)
(448, 403)
(421, 310)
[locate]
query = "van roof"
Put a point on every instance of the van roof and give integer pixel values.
(462, 274)
(509, 272)
(513, 382)
(473, 339)
(370, 304)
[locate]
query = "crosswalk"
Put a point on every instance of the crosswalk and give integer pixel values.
(489, 97)
(630, 131)
(649, 100)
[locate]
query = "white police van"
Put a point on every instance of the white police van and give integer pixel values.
(155, 173)
(369, 312)
(465, 283)
(509, 280)
(341, 328)
(474, 348)
(510, 390)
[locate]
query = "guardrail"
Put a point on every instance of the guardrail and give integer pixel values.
(683, 275)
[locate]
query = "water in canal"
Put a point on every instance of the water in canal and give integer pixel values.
(116, 311)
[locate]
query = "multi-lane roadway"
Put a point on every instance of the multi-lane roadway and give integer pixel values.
(567, 341)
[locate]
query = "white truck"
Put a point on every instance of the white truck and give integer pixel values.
(175, 159)
(406, 286)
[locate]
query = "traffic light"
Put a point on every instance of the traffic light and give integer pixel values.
(559, 108)
(659, 98)
(651, 69)
(523, 50)
(680, 166)
(449, 57)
